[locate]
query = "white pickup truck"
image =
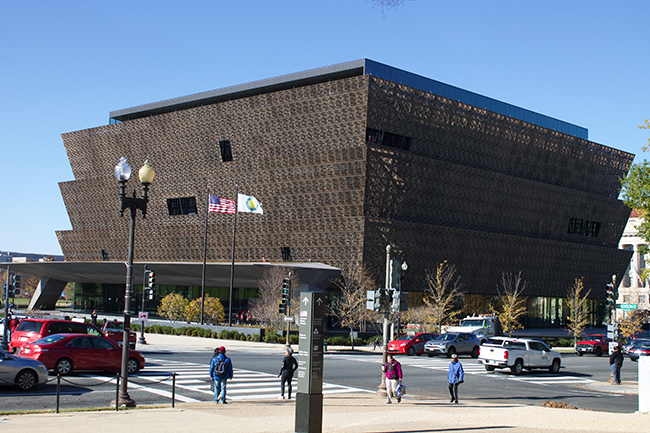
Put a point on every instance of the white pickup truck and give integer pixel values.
(483, 326)
(518, 354)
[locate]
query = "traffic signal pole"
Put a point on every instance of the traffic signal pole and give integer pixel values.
(5, 342)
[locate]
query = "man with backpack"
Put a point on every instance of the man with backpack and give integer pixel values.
(220, 372)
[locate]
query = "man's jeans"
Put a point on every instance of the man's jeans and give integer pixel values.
(220, 390)
(616, 373)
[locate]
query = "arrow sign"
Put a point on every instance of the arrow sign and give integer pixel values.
(305, 300)
(319, 301)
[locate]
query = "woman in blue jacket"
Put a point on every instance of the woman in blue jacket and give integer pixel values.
(455, 377)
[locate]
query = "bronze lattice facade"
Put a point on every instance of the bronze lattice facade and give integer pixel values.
(346, 163)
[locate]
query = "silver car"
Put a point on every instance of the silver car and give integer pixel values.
(453, 342)
(21, 372)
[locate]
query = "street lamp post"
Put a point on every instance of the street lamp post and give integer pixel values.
(123, 173)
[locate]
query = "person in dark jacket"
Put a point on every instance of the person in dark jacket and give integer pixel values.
(289, 366)
(615, 363)
(220, 379)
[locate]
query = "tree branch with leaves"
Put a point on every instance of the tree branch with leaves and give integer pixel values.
(349, 307)
(578, 317)
(513, 306)
(441, 295)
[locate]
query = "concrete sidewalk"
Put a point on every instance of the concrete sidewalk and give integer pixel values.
(341, 412)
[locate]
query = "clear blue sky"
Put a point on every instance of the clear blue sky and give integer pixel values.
(64, 65)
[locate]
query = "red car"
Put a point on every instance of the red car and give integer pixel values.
(65, 353)
(410, 344)
(114, 330)
(595, 343)
(34, 329)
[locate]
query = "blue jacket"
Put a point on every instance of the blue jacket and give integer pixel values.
(455, 372)
(219, 357)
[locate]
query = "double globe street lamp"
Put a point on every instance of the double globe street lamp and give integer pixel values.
(123, 173)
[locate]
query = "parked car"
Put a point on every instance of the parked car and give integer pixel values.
(114, 330)
(595, 343)
(20, 372)
(34, 329)
(461, 343)
(410, 344)
(65, 353)
(640, 348)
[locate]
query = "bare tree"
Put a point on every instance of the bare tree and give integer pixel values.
(578, 309)
(441, 296)
(265, 308)
(350, 306)
(513, 306)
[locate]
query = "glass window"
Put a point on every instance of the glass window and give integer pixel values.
(102, 344)
(181, 206)
(29, 326)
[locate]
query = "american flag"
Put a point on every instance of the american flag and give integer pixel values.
(221, 205)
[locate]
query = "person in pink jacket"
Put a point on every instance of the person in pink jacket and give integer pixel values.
(393, 372)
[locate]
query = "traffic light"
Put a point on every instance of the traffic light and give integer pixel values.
(286, 289)
(377, 300)
(400, 301)
(16, 281)
(395, 274)
(151, 295)
(611, 296)
(151, 281)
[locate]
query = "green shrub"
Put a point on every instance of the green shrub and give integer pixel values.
(242, 337)
(293, 339)
(337, 340)
(222, 334)
(271, 337)
(256, 337)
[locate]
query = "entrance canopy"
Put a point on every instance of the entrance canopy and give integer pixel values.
(308, 277)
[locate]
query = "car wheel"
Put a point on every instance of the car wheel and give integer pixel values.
(451, 351)
(411, 351)
(25, 380)
(579, 353)
(430, 355)
(489, 367)
(63, 366)
(475, 352)
(555, 366)
(599, 351)
(133, 366)
(517, 368)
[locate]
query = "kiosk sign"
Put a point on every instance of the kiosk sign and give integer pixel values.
(309, 399)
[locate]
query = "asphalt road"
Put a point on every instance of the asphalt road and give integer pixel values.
(256, 378)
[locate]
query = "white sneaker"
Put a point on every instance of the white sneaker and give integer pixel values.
(281, 397)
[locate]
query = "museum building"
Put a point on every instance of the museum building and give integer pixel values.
(347, 159)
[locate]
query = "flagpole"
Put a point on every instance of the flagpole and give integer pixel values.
(205, 247)
(232, 264)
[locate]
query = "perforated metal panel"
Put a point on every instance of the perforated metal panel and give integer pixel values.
(486, 192)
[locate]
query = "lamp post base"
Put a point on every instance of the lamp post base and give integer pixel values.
(124, 402)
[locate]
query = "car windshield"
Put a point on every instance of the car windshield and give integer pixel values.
(405, 337)
(594, 338)
(641, 345)
(477, 322)
(50, 339)
(447, 337)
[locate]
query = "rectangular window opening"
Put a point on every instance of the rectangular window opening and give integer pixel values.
(226, 153)
(181, 206)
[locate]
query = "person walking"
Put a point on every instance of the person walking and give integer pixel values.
(93, 317)
(220, 372)
(393, 372)
(615, 364)
(456, 376)
(289, 366)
